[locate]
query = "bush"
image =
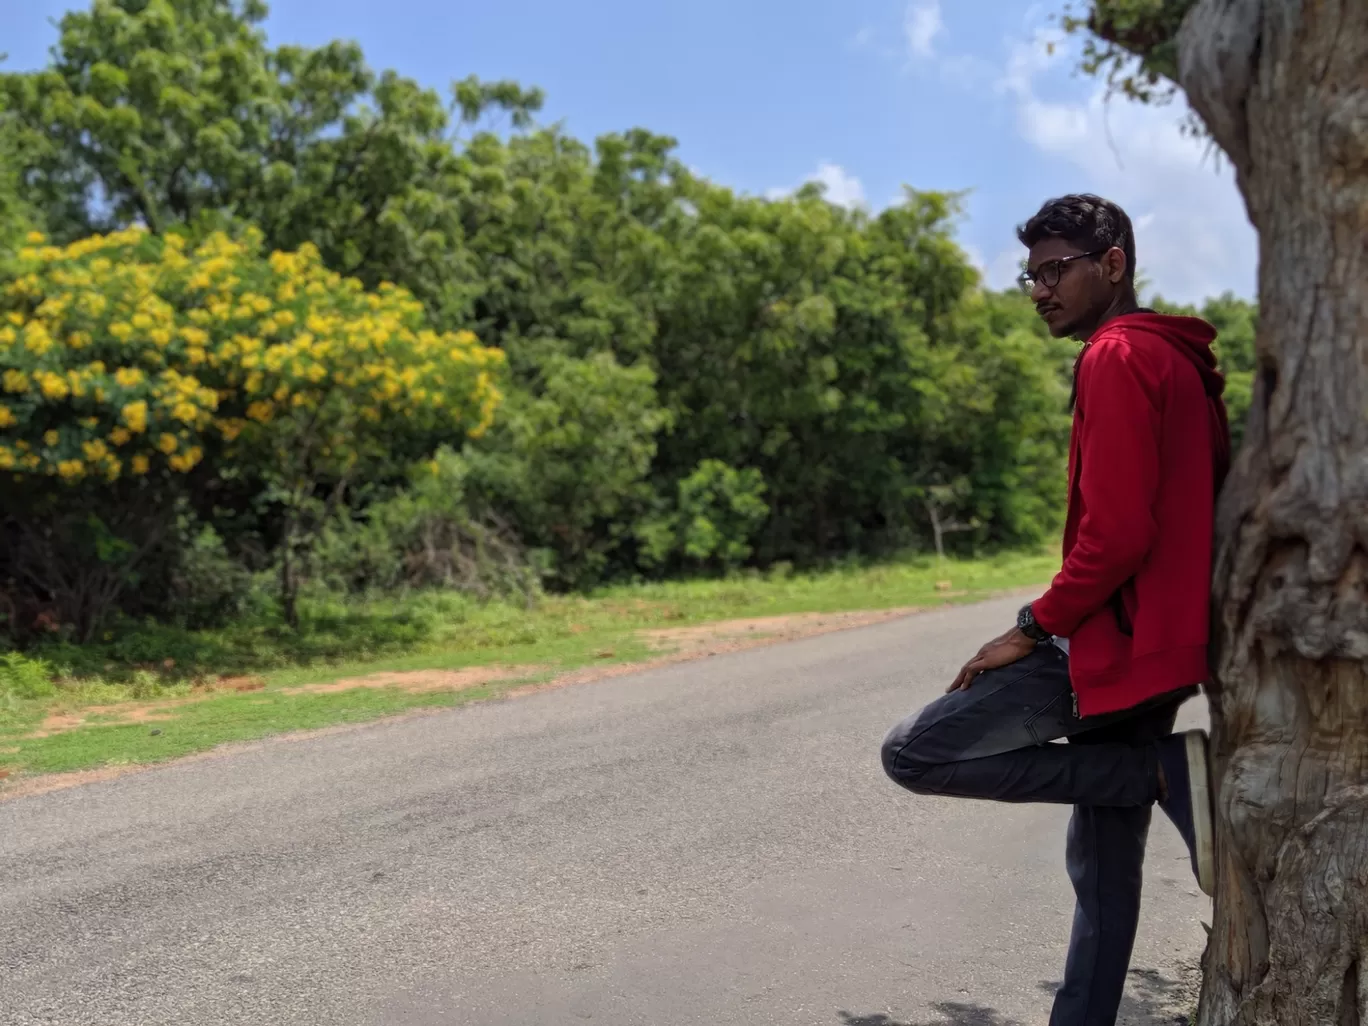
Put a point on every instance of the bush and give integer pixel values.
(208, 588)
(721, 509)
(719, 512)
(427, 536)
(568, 462)
(132, 363)
(21, 677)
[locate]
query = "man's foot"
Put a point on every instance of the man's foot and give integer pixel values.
(1183, 759)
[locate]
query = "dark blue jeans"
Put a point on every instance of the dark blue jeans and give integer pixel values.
(993, 741)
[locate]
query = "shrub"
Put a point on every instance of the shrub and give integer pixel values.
(131, 363)
(21, 677)
(719, 511)
(568, 464)
(207, 587)
(426, 535)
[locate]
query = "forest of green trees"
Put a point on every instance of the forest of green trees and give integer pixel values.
(579, 364)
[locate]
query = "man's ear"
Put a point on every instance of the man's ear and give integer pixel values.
(1114, 260)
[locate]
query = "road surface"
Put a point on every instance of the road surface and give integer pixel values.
(707, 843)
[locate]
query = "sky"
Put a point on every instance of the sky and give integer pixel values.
(973, 96)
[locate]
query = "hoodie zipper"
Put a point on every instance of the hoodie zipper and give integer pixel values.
(1073, 695)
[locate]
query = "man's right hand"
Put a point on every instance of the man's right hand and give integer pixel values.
(1003, 650)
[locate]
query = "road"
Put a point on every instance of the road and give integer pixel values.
(711, 842)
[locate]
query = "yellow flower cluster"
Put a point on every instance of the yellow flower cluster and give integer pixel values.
(123, 353)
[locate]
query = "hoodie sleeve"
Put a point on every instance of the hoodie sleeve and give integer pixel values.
(1118, 404)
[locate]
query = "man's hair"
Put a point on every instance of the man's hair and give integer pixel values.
(1087, 221)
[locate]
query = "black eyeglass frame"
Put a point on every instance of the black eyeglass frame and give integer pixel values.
(1027, 280)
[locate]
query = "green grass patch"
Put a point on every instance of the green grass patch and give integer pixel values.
(198, 726)
(156, 665)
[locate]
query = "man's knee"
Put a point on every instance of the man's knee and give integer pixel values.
(901, 761)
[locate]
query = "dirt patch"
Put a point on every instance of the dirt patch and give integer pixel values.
(235, 684)
(143, 712)
(109, 715)
(682, 644)
(733, 635)
(27, 788)
(58, 723)
(422, 681)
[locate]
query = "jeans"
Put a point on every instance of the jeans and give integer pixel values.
(993, 741)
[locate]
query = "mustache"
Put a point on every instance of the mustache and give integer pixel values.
(1043, 308)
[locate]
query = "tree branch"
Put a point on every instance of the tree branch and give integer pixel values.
(1208, 48)
(1218, 49)
(1142, 27)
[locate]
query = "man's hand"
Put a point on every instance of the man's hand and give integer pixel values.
(1001, 651)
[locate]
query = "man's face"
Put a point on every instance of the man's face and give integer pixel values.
(1073, 288)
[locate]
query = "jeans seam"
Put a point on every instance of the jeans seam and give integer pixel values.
(1097, 907)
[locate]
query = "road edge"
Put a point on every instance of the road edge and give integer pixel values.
(18, 788)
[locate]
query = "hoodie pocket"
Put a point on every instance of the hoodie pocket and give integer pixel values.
(1099, 653)
(1117, 604)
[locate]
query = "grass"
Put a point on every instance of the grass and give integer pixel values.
(147, 668)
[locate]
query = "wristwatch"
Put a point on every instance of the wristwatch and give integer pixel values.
(1026, 623)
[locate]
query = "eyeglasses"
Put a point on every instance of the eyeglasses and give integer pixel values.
(1048, 273)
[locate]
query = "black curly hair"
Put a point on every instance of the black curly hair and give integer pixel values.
(1087, 221)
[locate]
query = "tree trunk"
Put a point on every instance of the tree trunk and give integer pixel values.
(289, 575)
(1283, 87)
(936, 531)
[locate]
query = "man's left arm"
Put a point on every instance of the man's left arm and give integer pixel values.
(1119, 438)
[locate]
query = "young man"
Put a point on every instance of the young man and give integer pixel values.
(1118, 642)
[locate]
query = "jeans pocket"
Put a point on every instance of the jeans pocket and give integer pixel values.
(1052, 722)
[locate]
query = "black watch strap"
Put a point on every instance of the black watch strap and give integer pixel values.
(1026, 623)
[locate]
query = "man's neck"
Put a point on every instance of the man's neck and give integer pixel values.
(1121, 305)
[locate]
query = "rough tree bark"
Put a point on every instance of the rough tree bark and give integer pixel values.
(1283, 87)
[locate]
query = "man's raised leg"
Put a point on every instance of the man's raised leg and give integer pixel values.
(992, 741)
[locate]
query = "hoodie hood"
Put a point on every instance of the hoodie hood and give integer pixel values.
(1192, 337)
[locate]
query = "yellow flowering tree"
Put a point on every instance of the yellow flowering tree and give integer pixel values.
(131, 362)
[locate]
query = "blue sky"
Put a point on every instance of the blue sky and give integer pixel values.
(866, 96)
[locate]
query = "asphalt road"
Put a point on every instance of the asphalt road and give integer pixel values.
(712, 842)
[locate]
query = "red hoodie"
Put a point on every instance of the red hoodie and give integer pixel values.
(1149, 451)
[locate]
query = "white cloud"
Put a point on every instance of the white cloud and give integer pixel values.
(1028, 58)
(975, 256)
(1192, 233)
(842, 188)
(922, 23)
(1002, 272)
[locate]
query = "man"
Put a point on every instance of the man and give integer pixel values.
(1118, 642)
